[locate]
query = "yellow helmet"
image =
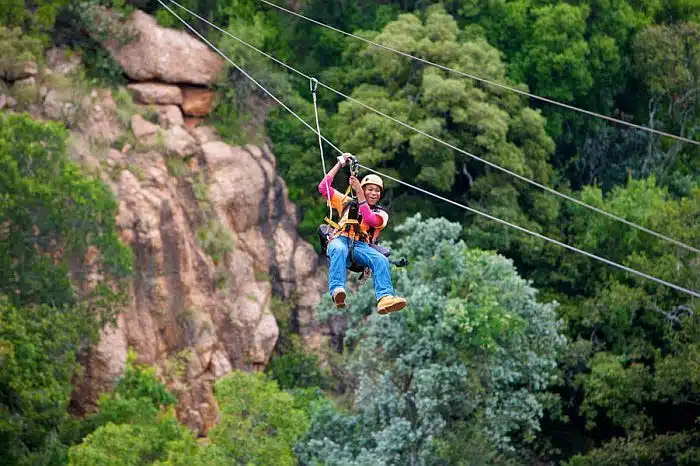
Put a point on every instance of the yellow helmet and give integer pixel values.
(372, 179)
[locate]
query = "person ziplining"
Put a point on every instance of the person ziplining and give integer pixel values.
(352, 241)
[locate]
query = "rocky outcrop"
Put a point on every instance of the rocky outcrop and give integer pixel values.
(142, 128)
(197, 102)
(160, 54)
(179, 142)
(193, 317)
(169, 115)
(156, 93)
(19, 71)
(214, 237)
(19, 78)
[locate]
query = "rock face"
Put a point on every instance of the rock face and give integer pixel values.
(194, 313)
(169, 116)
(193, 318)
(197, 102)
(156, 93)
(161, 54)
(21, 70)
(142, 128)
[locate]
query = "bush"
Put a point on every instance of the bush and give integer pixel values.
(215, 239)
(296, 368)
(16, 48)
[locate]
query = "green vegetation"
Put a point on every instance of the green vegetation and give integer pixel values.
(596, 367)
(215, 239)
(51, 215)
(136, 425)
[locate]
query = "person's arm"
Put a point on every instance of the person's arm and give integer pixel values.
(369, 217)
(324, 187)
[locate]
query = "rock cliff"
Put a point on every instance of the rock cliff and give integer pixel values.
(213, 232)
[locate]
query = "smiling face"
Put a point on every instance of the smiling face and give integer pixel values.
(372, 193)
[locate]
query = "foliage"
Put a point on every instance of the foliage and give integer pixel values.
(629, 387)
(295, 367)
(52, 215)
(100, 21)
(36, 17)
(38, 349)
(16, 48)
(135, 426)
(259, 423)
(215, 239)
(681, 449)
(667, 59)
(474, 347)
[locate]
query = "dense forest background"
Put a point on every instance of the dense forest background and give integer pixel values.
(513, 350)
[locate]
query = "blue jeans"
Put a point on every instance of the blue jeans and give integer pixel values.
(365, 256)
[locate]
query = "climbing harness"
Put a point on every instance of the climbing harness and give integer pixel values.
(349, 224)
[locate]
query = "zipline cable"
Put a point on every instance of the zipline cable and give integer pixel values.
(451, 146)
(525, 230)
(486, 81)
(538, 235)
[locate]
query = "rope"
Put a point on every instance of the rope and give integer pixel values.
(453, 147)
(486, 81)
(314, 87)
(572, 248)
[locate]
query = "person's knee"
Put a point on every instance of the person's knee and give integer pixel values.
(378, 259)
(337, 247)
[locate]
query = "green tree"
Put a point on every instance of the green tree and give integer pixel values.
(667, 59)
(474, 348)
(51, 216)
(259, 423)
(36, 16)
(136, 425)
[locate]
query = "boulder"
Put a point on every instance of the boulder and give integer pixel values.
(197, 102)
(58, 105)
(142, 128)
(22, 70)
(180, 142)
(162, 54)
(62, 61)
(204, 134)
(156, 93)
(169, 116)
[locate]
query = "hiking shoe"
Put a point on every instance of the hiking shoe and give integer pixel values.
(389, 304)
(339, 297)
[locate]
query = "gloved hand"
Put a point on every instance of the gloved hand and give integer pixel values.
(343, 159)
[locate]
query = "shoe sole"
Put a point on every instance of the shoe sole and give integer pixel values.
(340, 300)
(393, 308)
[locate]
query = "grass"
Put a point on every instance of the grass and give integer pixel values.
(177, 167)
(261, 276)
(215, 239)
(137, 171)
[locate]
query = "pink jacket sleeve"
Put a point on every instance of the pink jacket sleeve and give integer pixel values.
(325, 188)
(369, 217)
